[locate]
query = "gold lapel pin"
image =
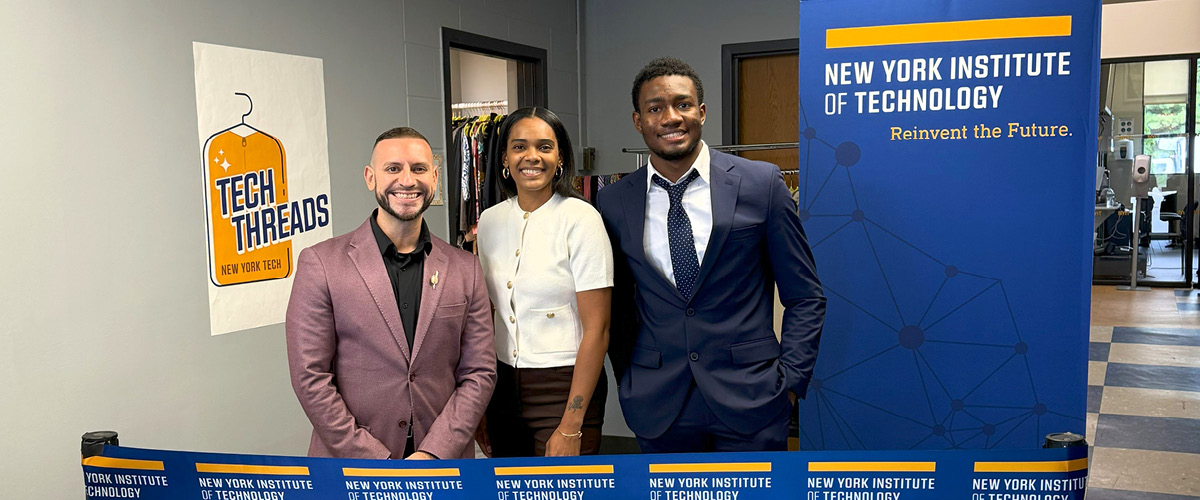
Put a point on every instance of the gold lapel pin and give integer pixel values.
(434, 279)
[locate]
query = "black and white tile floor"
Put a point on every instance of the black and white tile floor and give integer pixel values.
(1144, 409)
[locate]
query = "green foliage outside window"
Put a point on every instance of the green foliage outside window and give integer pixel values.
(1162, 119)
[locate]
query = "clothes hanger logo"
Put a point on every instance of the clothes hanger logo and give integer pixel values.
(251, 220)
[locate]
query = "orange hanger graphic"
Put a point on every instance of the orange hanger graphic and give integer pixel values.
(250, 221)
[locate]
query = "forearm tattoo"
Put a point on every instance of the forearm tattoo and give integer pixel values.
(576, 404)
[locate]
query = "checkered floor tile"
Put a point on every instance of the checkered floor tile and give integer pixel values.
(1144, 409)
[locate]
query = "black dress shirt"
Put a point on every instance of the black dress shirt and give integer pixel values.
(406, 271)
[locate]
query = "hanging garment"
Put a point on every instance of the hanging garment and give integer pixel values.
(473, 184)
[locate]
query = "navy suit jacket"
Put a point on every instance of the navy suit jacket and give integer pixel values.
(723, 337)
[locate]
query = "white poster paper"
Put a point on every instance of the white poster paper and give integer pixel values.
(265, 172)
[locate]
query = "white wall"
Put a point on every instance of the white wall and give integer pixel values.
(484, 78)
(103, 299)
(1157, 27)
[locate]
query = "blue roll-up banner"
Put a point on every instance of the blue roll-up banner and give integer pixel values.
(1050, 474)
(947, 156)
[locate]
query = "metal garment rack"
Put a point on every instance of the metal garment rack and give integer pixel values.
(465, 109)
(731, 148)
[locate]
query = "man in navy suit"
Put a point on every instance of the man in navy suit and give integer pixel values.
(700, 240)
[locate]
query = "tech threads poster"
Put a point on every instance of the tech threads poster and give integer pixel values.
(265, 172)
(947, 157)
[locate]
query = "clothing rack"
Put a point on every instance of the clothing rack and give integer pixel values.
(728, 148)
(464, 109)
(472, 178)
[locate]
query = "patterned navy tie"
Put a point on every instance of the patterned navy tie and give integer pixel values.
(679, 234)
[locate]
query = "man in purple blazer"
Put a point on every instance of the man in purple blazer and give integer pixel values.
(389, 329)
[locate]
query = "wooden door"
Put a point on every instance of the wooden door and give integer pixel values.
(768, 107)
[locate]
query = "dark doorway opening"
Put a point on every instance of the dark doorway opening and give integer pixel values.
(528, 74)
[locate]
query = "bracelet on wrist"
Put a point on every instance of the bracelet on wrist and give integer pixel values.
(575, 435)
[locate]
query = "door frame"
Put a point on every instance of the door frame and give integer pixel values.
(731, 56)
(532, 77)
(1191, 132)
(532, 89)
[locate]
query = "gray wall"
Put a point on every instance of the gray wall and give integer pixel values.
(621, 36)
(103, 305)
(103, 312)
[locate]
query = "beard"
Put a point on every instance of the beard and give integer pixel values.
(381, 198)
(680, 154)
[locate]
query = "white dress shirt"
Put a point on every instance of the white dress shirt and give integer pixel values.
(534, 263)
(697, 202)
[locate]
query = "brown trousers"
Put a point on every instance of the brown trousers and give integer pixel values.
(528, 405)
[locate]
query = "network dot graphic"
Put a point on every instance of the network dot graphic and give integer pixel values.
(918, 327)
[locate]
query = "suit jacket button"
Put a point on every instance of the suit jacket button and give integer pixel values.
(412, 377)
(691, 312)
(403, 424)
(694, 356)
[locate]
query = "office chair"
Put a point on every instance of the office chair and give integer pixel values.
(1185, 228)
(1169, 213)
(1181, 220)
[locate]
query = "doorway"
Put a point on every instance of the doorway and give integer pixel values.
(481, 77)
(1147, 107)
(760, 89)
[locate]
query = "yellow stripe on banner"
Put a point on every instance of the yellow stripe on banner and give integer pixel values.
(872, 466)
(123, 463)
(274, 470)
(355, 472)
(1061, 466)
(554, 469)
(712, 467)
(952, 31)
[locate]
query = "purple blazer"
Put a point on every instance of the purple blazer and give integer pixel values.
(350, 363)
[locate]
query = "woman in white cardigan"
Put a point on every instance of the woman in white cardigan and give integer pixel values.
(549, 270)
